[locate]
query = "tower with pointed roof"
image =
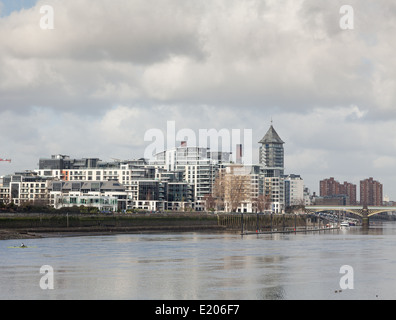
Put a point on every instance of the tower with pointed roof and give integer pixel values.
(271, 162)
(271, 156)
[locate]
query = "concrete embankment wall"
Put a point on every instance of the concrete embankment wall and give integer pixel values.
(147, 222)
(48, 221)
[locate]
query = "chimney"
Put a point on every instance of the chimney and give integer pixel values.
(238, 159)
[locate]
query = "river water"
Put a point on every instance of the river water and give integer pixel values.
(200, 266)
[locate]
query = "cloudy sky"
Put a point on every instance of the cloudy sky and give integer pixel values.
(110, 71)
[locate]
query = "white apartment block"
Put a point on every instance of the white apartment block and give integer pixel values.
(24, 187)
(198, 165)
(294, 190)
(103, 195)
(274, 189)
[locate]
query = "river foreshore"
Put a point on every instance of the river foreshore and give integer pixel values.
(30, 226)
(14, 234)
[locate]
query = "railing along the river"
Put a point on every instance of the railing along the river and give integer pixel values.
(251, 223)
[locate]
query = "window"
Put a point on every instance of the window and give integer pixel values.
(76, 186)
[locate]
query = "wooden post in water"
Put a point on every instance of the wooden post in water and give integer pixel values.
(257, 224)
(305, 222)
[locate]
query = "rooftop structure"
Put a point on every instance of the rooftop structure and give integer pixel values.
(271, 155)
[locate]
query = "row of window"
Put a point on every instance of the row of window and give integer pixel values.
(34, 185)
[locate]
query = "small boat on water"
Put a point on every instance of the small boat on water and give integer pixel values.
(344, 224)
(22, 246)
(19, 247)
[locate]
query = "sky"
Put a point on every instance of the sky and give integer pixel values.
(110, 71)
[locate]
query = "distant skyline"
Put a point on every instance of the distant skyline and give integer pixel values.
(111, 70)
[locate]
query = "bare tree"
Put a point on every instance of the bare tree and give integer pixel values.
(297, 206)
(210, 202)
(219, 190)
(232, 187)
(237, 190)
(262, 203)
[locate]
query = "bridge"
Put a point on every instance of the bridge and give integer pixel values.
(365, 212)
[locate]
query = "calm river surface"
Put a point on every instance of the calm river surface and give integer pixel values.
(202, 266)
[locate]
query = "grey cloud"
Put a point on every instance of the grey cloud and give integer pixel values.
(112, 70)
(257, 54)
(140, 32)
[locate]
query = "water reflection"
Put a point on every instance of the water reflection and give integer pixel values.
(205, 266)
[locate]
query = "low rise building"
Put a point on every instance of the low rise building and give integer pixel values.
(24, 187)
(103, 195)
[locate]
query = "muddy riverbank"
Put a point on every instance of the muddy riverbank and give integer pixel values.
(43, 225)
(28, 226)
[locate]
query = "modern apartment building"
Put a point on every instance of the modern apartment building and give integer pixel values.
(294, 190)
(198, 166)
(148, 187)
(64, 168)
(177, 179)
(103, 195)
(271, 155)
(271, 160)
(274, 190)
(23, 187)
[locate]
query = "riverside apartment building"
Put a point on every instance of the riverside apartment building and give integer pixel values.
(180, 178)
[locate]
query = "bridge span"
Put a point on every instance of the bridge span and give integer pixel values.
(365, 212)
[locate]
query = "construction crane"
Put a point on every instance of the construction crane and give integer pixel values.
(8, 160)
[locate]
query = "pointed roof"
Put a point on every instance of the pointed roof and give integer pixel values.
(271, 137)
